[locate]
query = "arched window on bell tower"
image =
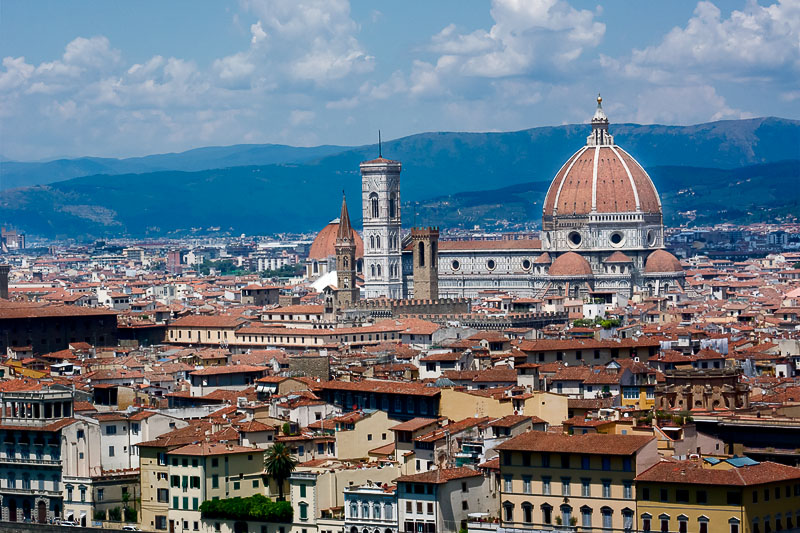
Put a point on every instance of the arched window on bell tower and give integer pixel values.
(373, 204)
(421, 253)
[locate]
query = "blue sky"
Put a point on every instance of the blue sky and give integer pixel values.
(133, 78)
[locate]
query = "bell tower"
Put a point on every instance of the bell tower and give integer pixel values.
(380, 200)
(347, 293)
(426, 263)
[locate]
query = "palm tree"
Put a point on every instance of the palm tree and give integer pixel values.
(279, 464)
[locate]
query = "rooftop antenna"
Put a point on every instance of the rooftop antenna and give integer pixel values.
(380, 149)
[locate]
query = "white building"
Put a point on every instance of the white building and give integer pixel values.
(121, 432)
(371, 507)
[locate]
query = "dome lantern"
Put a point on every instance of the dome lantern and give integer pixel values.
(600, 135)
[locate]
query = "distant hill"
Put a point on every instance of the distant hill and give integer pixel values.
(19, 174)
(730, 168)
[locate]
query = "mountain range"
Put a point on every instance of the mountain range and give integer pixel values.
(737, 171)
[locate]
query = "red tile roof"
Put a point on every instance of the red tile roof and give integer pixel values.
(591, 443)
(440, 476)
(689, 472)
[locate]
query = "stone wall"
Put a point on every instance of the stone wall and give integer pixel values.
(315, 366)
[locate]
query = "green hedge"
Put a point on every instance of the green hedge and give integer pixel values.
(256, 507)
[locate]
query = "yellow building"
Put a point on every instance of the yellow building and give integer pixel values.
(179, 471)
(209, 471)
(458, 405)
(585, 481)
(359, 432)
(737, 495)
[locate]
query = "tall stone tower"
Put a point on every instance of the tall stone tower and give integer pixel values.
(4, 270)
(380, 190)
(426, 263)
(347, 292)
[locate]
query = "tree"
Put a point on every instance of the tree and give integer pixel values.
(279, 464)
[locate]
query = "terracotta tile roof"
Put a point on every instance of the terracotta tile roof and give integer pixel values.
(690, 472)
(381, 386)
(232, 369)
(491, 464)
(79, 407)
(414, 424)
(9, 310)
(386, 449)
(207, 321)
(592, 443)
(544, 345)
(194, 432)
(446, 356)
(496, 374)
(452, 428)
(439, 477)
(23, 384)
(53, 426)
(213, 448)
(513, 420)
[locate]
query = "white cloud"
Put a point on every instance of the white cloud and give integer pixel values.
(301, 116)
(676, 105)
(526, 37)
(315, 39)
(93, 53)
(258, 33)
(16, 74)
(758, 42)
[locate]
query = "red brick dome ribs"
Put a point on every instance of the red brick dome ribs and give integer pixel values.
(570, 264)
(325, 242)
(662, 261)
(601, 179)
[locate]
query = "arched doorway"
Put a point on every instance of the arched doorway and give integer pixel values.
(12, 510)
(26, 510)
(41, 512)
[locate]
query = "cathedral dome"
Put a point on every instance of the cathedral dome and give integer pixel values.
(570, 264)
(662, 261)
(601, 177)
(324, 244)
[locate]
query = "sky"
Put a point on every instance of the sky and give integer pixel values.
(120, 79)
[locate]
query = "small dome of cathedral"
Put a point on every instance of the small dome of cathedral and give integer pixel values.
(570, 264)
(544, 258)
(601, 177)
(618, 257)
(662, 261)
(324, 244)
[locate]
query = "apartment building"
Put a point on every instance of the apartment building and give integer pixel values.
(441, 500)
(371, 506)
(43, 449)
(586, 480)
(209, 471)
(735, 495)
(317, 492)
(120, 433)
